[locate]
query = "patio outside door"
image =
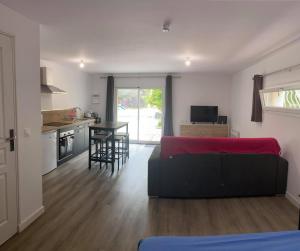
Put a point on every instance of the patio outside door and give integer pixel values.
(142, 108)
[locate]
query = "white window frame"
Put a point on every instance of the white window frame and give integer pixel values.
(286, 87)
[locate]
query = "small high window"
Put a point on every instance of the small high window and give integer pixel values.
(284, 99)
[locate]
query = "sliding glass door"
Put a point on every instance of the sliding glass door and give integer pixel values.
(127, 110)
(142, 108)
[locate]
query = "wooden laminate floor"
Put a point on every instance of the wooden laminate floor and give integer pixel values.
(91, 210)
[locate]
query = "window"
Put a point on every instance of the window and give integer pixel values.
(285, 99)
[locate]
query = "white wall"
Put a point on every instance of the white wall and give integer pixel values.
(200, 89)
(27, 60)
(189, 89)
(283, 127)
(74, 81)
(99, 88)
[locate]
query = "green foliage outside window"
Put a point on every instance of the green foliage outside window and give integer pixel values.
(291, 99)
(154, 99)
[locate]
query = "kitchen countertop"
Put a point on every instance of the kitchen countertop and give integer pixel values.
(68, 123)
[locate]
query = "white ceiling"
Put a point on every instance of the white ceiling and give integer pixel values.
(125, 35)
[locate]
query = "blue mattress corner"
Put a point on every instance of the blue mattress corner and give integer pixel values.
(274, 241)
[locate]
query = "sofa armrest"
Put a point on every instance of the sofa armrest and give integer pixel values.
(282, 173)
(154, 165)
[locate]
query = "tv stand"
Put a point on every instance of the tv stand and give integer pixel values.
(201, 123)
(204, 130)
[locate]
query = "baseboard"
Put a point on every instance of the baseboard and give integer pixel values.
(30, 219)
(293, 199)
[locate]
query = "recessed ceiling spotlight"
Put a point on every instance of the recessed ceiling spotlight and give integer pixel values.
(166, 26)
(187, 62)
(81, 64)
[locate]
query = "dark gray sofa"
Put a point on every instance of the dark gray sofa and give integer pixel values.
(216, 175)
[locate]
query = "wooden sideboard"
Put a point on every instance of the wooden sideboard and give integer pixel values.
(204, 130)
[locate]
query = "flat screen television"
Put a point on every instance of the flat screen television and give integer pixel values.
(204, 114)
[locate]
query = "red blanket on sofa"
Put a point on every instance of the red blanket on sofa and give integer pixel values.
(171, 146)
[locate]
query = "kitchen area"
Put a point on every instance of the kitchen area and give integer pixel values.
(64, 136)
(65, 114)
(71, 111)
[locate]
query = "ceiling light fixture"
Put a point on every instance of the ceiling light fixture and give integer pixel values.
(187, 62)
(81, 65)
(166, 26)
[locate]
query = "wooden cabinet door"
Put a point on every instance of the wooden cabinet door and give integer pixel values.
(79, 140)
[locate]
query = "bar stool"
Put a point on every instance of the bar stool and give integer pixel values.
(104, 150)
(119, 140)
(102, 132)
(126, 141)
(101, 152)
(121, 147)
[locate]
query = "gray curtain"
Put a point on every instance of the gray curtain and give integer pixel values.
(256, 103)
(110, 99)
(168, 118)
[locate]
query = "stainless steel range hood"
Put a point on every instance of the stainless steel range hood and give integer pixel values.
(47, 86)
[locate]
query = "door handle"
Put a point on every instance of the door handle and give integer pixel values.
(11, 139)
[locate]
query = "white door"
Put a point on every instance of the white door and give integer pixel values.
(8, 177)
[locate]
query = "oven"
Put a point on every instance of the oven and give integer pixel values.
(65, 144)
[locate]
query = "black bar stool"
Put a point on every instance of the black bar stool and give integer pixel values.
(101, 152)
(121, 147)
(119, 152)
(126, 142)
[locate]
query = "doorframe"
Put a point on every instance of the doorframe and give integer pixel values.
(14, 97)
(143, 142)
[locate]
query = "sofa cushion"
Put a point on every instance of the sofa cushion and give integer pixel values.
(171, 146)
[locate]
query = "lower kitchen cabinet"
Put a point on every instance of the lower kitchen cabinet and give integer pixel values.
(49, 152)
(86, 134)
(78, 143)
(79, 139)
